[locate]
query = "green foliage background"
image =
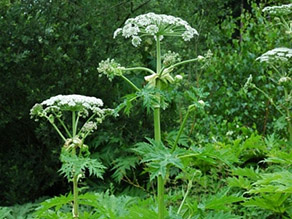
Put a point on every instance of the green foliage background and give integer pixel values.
(54, 47)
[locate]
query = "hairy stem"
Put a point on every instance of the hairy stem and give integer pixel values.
(157, 132)
(75, 176)
(75, 196)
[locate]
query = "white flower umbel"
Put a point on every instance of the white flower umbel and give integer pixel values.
(157, 25)
(80, 106)
(278, 10)
(72, 102)
(282, 54)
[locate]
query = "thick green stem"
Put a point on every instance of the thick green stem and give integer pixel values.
(76, 123)
(75, 176)
(75, 196)
(131, 83)
(73, 124)
(157, 133)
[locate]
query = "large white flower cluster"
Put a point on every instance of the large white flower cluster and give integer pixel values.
(73, 100)
(157, 25)
(278, 54)
(279, 10)
(57, 104)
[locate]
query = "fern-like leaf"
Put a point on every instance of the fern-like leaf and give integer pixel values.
(122, 165)
(157, 157)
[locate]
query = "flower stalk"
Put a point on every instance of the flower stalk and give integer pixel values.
(157, 132)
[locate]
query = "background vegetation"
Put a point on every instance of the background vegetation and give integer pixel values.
(54, 47)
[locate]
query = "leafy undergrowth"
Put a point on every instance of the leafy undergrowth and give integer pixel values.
(242, 178)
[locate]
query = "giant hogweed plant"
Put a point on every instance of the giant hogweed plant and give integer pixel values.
(155, 93)
(272, 191)
(279, 60)
(84, 113)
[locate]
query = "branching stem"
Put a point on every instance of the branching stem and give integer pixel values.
(139, 68)
(130, 82)
(56, 128)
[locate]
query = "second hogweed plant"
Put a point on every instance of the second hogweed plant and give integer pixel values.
(157, 27)
(74, 117)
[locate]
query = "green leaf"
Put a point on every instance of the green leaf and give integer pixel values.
(279, 157)
(56, 203)
(5, 212)
(221, 202)
(126, 104)
(239, 182)
(221, 215)
(246, 172)
(122, 165)
(279, 182)
(272, 202)
(157, 157)
(77, 165)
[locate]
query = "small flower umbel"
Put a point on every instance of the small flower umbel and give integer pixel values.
(75, 154)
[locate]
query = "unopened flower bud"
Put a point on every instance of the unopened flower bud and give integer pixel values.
(201, 58)
(201, 102)
(178, 77)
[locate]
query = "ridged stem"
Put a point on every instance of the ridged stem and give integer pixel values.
(157, 132)
(75, 196)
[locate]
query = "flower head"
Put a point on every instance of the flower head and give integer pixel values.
(279, 10)
(157, 25)
(178, 77)
(57, 104)
(281, 54)
(170, 58)
(201, 102)
(110, 67)
(89, 127)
